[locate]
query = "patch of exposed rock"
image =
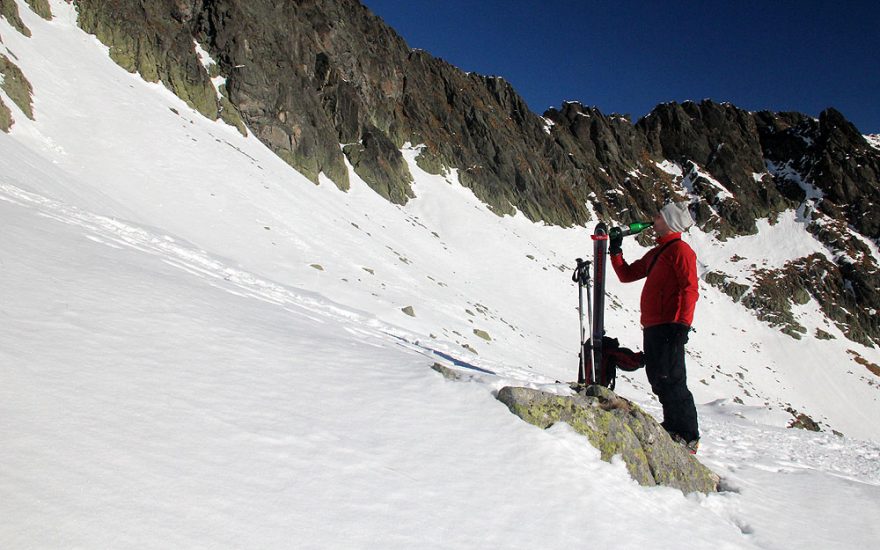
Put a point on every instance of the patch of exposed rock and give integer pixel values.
(616, 426)
(17, 88)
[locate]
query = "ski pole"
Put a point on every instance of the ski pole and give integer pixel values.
(582, 277)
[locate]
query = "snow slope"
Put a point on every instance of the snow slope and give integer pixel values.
(201, 348)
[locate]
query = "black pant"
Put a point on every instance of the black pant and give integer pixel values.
(664, 364)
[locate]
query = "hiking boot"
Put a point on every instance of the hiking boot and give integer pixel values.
(691, 446)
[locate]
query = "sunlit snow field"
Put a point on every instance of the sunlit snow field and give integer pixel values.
(202, 348)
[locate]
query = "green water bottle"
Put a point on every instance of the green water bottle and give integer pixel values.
(630, 229)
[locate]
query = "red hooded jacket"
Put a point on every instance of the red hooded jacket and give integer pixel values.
(671, 290)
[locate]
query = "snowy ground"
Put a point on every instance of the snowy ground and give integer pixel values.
(203, 349)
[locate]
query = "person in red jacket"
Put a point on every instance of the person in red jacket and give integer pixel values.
(667, 310)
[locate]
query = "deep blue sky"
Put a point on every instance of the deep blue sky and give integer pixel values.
(625, 56)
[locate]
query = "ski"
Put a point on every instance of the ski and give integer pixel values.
(600, 253)
(593, 366)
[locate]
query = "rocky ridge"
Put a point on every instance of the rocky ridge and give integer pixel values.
(325, 82)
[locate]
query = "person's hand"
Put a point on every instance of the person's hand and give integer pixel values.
(614, 245)
(680, 333)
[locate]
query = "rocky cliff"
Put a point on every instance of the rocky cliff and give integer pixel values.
(326, 82)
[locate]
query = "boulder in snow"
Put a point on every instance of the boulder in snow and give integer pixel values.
(616, 426)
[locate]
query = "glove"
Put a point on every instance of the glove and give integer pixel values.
(614, 245)
(680, 333)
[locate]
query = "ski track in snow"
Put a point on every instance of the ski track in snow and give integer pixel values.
(116, 233)
(782, 450)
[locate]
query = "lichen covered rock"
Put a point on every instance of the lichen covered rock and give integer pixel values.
(9, 11)
(153, 39)
(5, 117)
(616, 426)
(16, 86)
(41, 8)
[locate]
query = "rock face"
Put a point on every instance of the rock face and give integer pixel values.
(10, 75)
(151, 38)
(721, 141)
(9, 11)
(41, 8)
(16, 86)
(616, 426)
(309, 75)
(832, 155)
(325, 82)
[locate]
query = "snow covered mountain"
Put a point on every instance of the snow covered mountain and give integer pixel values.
(202, 347)
(342, 87)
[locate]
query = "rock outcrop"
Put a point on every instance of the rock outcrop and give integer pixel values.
(12, 81)
(308, 76)
(16, 86)
(41, 8)
(9, 11)
(616, 426)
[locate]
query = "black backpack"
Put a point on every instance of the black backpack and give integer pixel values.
(615, 357)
